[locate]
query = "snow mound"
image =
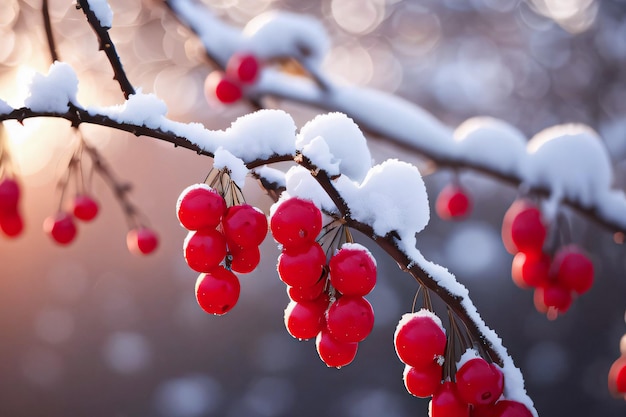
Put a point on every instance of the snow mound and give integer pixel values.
(54, 91)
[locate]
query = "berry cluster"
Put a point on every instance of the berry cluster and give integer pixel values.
(453, 202)
(617, 373)
(226, 86)
(420, 341)
(555, 278)
(220, 240)
(11, 222)
(326, 300)
(61, 226)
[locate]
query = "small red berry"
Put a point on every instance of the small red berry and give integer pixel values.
(200, 207)
(420, 338)
(217, 291)
(350, 319)
(447, 403)
(508, 408)
(353, 270)
(11, 223)
(452, 202)
(244, 260)
(307, 293)
(9, 194)
(221, 87)
(296, 222)
(479, 382)
(302, 266)
(573, 269)
(304, 320)
(617, 377)
(244, 225)
(530, 269)
(142, 241)
(522, 228)
(552, 297)
(423, 382)
(333, 353)
(242, 67)
(84, 207)
(204, 249)
(60, 227)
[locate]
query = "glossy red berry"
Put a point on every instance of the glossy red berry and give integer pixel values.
(244, 225)
(617, 376)
(305, 319)
(353, 270)
(573, 269)
(84, 207)
(200, 207)
(301, 266)
(243, 67)
(479, 382)
(204, 249)
(296, 222)
(221, 87)
(530, 269)
(505, 408)
(217, 291)
(522, 228)
(307, 293)
(333, 353)
(452, 202)
(423, 382)
(9, 194)
(552, 297)
(350, 319)
(447, 403)
(60, 227)
(420, 338)
(142, 241)
(244, 260)
(11, 223)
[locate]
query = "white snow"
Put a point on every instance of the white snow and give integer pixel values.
(272, 175)
(140, 109)
(103, 12)
(359, 247)
(54, 91)
(468, 355)
(235, 166)
(407, 317)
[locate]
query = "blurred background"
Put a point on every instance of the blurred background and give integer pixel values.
(91, 330)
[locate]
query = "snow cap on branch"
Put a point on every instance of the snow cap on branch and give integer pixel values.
(281, 34)
(140, 109)
(235, 166)
(54, 91)
(103, 12)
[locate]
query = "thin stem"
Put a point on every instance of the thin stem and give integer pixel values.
(52, 47)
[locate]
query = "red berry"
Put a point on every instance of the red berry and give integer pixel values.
(60, 227)
(221, 87)
(423, 382)
(9, 195)
(617, 376)
(217, 291)
(84, 207)
(296, 222)
(142, 241)
(573, 269)
(302, 266)
(244, 260)
(333, 353)
(243, 67)
(200, 207)
(350, 319)
(244, 225)
(552, 296)
(307, 293)
(420, 338)
(304, 320)
(506, 408)
(11, 223)
(204, 249)
(452, 202)
(522, 228)
(479, 382)
(353, 270)
(530, 269)
(447, 403)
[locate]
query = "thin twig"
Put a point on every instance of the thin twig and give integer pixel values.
(52, 47)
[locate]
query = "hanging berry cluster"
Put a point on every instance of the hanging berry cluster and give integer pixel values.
(326, 299)
(222, 240)
(242, 69)
(472, 388)
(555, 278)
